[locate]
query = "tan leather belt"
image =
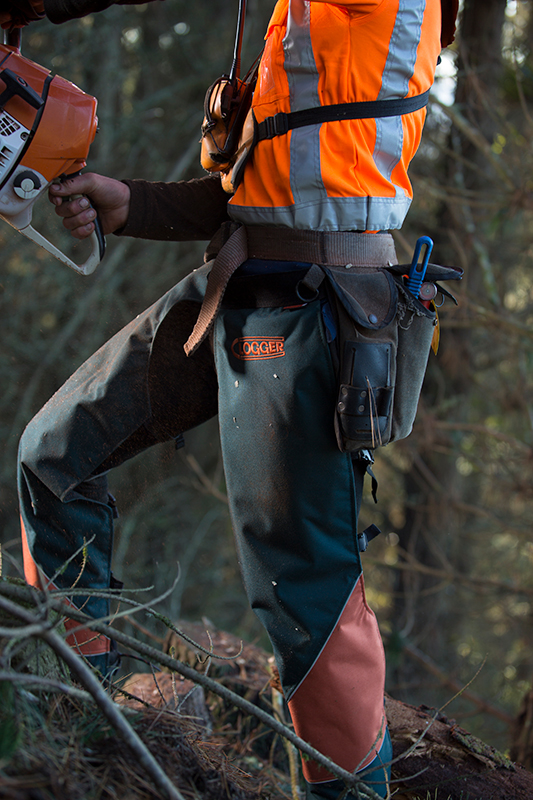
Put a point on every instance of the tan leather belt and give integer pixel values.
(285, 244)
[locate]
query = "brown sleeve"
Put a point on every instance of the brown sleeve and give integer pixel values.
(449, 10)
(180, 212)
(59, 11)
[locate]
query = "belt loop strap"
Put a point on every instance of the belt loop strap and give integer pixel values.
(307, 288)
(229, 258)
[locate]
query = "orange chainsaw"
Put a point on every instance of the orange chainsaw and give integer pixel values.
(47, 125)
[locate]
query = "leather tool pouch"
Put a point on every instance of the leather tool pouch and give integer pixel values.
(381, 351)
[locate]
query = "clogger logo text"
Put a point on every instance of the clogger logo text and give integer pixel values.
(252, 348)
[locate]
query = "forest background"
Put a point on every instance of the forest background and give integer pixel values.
(450, 580)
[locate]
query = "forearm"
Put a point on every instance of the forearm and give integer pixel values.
(181, 211)
(59, 11)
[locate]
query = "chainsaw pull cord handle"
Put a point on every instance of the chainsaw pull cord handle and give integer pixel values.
(17, 87)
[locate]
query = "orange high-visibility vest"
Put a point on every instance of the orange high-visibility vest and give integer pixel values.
(346, 174)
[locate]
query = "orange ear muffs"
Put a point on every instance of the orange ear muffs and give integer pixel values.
(226, 107)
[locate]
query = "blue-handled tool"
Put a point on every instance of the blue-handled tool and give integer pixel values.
(418, 271)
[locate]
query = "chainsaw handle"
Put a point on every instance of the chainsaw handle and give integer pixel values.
(88, 267)
(22, 218)
(98, 233)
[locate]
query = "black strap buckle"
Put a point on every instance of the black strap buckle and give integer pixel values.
(366, 537)
(274, 126)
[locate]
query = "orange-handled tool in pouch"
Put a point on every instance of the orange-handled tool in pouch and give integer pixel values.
(47, 126)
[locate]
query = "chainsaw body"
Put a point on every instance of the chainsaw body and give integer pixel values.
(47, 126)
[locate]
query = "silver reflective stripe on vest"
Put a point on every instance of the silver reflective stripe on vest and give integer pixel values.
(302, 74)
(330, 214)
(398, 71)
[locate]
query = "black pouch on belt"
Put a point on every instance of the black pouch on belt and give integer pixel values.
(381, 351)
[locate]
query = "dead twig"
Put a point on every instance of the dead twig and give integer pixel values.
(45, 684)
(477, 139)
(411, 564)
(434, 669)
(208, 485)
(113, 594)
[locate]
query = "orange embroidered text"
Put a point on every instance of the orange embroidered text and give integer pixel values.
(252, 348)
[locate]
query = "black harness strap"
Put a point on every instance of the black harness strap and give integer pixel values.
(281, 123)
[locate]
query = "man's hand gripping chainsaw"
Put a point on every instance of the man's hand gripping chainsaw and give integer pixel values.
(47, 125)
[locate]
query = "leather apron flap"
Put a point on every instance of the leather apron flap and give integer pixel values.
(369, 295)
